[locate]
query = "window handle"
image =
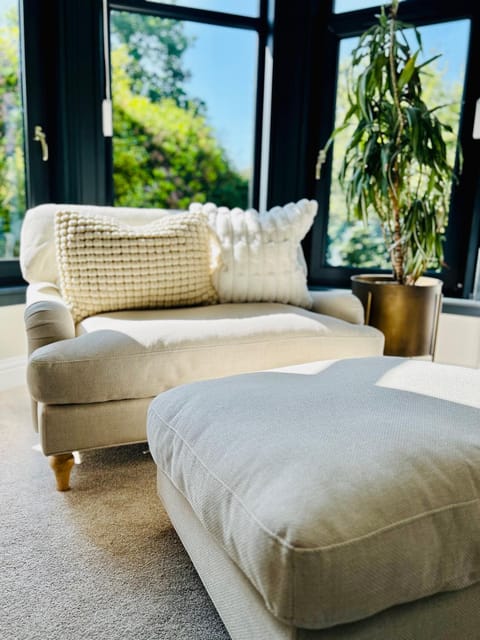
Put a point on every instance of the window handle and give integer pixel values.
(476, 122)
(42, 138)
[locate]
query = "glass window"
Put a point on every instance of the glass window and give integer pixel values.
(184, 111)
(12, 161)
(240, 7)
(342, 6)
(351, 244)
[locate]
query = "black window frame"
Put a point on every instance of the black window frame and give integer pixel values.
(463, 231)
(64, 85)
(63, 78)
(32, 21)
(260, 24)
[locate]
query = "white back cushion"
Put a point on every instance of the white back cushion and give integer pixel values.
(37, 253)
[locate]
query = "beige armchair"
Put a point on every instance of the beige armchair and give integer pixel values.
(91, 382)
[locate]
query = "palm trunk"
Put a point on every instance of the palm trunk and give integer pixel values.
(397, 252)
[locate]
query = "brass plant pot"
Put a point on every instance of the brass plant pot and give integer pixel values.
(406, 315)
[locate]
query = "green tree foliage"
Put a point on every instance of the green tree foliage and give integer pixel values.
(12, 171)
(165, 152)
(155, 47)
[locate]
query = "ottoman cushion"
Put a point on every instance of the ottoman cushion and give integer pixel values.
(339, 493)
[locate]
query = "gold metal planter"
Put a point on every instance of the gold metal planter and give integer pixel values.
(406, 315)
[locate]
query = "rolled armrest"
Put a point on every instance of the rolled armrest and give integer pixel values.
(339, 304)
(47, 316)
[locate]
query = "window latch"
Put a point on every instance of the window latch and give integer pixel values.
(476, 122)
(42, 138)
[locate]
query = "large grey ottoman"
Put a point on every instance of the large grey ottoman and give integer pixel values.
(334, 500)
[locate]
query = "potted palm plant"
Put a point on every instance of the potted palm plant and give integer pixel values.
(395, 167)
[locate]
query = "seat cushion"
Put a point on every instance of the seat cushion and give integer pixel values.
(138, 354)
(339, 493)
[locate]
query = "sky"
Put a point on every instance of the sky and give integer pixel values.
(243, 7)
(222, 62)
(448, 38)
(4, 5)
(341, 6)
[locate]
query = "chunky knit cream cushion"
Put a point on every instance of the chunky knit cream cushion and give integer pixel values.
(261, 258)
(105, 265)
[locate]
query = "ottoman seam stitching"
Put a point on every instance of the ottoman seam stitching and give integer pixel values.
(286, 544)
(279, 540)
(258, 586)
(291, 618)
(391, 527)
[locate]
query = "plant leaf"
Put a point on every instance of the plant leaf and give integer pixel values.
(407, 71)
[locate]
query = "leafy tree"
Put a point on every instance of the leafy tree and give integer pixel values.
(166, 155)
(155, 49)
(12, 171)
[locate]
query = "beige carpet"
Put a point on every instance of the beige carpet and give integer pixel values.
(100, 562)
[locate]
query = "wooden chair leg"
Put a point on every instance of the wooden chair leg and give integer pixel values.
(62, 465)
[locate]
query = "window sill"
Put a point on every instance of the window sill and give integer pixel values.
(461, 307)
(454, 306)
(12, 295)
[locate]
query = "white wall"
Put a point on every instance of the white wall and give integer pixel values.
(458, 340)
(13, 346)
(13, 342)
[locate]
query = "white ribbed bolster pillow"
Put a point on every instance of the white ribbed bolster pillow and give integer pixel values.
(261, 258)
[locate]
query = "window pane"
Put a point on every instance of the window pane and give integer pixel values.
(350, 244)
(184, 111)
(240, 7)
(12, 163)
(342, 6)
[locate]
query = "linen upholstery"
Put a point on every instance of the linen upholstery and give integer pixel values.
(77, 427)
(47, 316)
(137, 354)
(338, 303)
(106, 265)
(338, 494)
(90, 382)
(445, 616)
(261, 258)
